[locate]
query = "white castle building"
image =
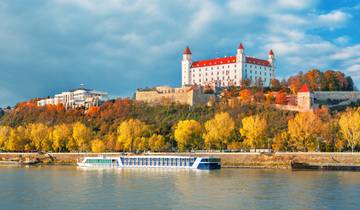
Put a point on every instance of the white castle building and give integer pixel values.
(80, 97)
(227, 71)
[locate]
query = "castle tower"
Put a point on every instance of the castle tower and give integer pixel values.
(240, 54)
(186, 67)
(304, 98)
(272, 59)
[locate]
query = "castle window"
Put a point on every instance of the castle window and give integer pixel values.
(217, 67)
(235, 65)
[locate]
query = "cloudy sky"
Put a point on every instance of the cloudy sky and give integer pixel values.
(48, 46)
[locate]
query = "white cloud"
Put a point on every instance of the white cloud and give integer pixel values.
(333, 19)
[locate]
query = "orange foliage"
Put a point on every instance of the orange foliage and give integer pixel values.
(245, 95)
(281, 98)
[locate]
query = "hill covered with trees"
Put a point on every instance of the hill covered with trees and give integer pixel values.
(128, 125)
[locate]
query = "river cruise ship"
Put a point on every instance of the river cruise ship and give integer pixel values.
(185, 162)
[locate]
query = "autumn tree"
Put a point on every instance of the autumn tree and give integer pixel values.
(97, 146)
(16, 140)
(218, 130)
(39, 135)
(4, 136)
(61, 134)
(304, 131)
(130, 132)
(349, 124)
(254, 131)
(82, 135)
(275, 84)
(281, 141)
(188, 135)
(245, 96)
(157, 143)
(281, 98)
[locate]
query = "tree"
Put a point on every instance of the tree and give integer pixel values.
(157, 143)
(245, 96)
(254, 130)
(304, 131)
(60, 136)
(16, 141)
(188, 135)
(275, 85)
(97, 146)
(39, 135)
(349, 123)
(82, 135)
(130, 132)
(281, 98)
(281, 141)
(218, 130)
(4, 135)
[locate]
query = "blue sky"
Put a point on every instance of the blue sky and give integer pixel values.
(48, 46)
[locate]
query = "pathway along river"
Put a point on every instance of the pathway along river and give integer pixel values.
(65, 187)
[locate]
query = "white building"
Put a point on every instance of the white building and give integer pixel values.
(227, 71)
(80, 97)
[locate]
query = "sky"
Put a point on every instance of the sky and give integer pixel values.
(117, 46)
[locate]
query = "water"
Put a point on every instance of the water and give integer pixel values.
(72, 188)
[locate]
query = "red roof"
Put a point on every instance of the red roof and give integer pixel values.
(304, 89)
(257, 61)
(230, 59)
(214, 62)
(187, 51)
(271, 52)
(241, 47)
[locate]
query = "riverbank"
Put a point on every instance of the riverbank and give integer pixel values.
(228, 160)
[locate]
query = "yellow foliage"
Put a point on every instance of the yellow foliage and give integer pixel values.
(81, 135)
(16, 139)
(130, 133)
(97, 146)
(254, 130)
(187, 134)
(281, 141)
(156, 143)
(61, 134)
(349, 123)
(218, 130)
(39, 135)
(304, 131)
(4, 135)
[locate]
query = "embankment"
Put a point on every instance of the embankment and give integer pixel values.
(256, 160)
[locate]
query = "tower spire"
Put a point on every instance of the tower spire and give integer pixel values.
(187, 51)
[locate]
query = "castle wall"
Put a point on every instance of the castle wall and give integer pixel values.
(182, 96)
(336, 95)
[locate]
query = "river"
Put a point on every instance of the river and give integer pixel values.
(68, 187)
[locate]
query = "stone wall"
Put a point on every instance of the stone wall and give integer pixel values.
(175, 95)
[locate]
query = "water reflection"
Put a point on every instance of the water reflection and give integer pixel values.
(155, 188)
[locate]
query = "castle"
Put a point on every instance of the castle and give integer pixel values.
(227, 71)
